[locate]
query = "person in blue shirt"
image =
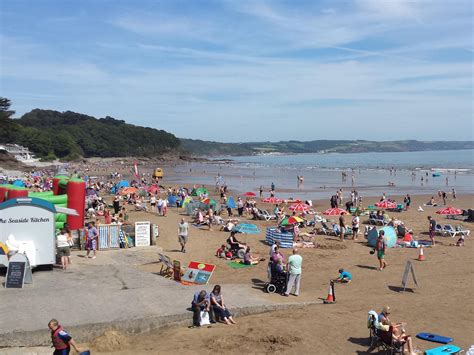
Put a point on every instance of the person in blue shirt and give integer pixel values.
(344, 276)
(201, 302)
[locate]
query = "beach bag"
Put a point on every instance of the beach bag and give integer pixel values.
(204, 318)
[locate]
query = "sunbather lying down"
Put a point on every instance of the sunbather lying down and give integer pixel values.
(459, 243)
(305, 245)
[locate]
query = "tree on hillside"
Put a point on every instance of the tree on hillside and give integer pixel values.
(7, 126)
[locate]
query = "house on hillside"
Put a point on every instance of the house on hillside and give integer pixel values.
(20, 153)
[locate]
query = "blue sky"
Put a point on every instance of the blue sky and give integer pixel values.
(247, 70)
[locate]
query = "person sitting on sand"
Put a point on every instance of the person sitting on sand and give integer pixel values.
(224, 252)
(250, 259)
(432, 202)
(344, 276)
(228, 227)
(460, 242)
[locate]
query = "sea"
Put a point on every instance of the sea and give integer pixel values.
(371, 174)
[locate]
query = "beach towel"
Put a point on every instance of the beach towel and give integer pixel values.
(237, 265)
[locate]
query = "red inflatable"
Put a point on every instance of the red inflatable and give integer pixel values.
(56, 188)
(3, 193)
(76, 199)
(15, 193)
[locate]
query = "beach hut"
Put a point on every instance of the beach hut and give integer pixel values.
(390, 236)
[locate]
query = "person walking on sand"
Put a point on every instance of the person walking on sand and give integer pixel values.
(61, 339)
(431, 228)
(342, 227)
(380, 248)
(294, 271)
(183, 230)
(355, 226)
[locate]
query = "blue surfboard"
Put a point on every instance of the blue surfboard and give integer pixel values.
(434, 337)
(445, 349)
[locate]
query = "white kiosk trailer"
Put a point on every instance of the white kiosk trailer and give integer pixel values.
(27, 225)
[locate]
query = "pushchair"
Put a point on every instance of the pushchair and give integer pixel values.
(278, 281)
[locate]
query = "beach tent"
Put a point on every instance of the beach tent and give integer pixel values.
(199, 191)
(191, 206)
(19, 183)
(172, 200)
(390, 236)
(231, 202)
(122, 183)
(187, 199)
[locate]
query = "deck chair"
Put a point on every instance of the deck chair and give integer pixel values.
(166, 265)
(266, 215)
(448, 229)
(439, 229)
(325, 228)
(460, 229)
(390, 345)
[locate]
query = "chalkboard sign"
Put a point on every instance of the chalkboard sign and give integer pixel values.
(15, 274)
(19, 271)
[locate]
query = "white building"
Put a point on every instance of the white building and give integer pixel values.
(20, 153)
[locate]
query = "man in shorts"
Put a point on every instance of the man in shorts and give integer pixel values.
(183, 229)
(432, 228)
(380, 248)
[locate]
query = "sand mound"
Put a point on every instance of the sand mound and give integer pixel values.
(267, 343)
(110, 341)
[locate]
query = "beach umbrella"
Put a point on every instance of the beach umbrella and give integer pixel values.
(249, 194)
(291, 220)
(209, 201)
(246, 228)
(299, 207)
(390, 237)
(199, 191)
(450, 211)
(334, 212)
(386, 204)
(272, 200)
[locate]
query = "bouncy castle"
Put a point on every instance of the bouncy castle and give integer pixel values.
(67, 192)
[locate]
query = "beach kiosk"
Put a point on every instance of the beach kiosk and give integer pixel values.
(27, 225)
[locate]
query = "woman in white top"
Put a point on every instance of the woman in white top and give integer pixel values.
(355, 226)
(63, 248)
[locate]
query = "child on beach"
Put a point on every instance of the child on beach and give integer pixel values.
(344, 276)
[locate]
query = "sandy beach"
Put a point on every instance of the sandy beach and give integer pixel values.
(438, 305)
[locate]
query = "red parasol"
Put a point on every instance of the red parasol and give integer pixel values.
(449, 211)
(299, 207)
(334, 212)
(249, 194)
(385, 204)
(272, 200)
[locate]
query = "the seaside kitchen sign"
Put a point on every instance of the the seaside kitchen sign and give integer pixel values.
(142, 234)
(28, 227)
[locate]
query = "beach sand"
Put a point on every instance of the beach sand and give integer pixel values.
(441, 304)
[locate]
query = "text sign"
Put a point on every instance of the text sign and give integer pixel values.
(142, 234)
(15, 274)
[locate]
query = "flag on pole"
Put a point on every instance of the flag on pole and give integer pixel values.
(135, 168)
